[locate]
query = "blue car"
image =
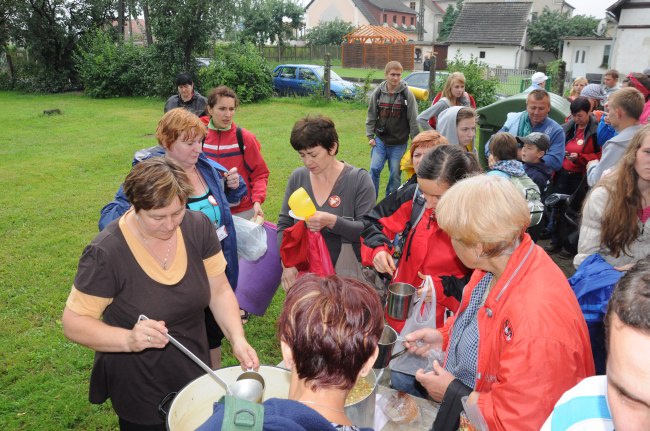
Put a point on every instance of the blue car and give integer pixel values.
(304, 79)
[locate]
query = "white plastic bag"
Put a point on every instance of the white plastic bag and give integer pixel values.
(422, 316)
(251, 239)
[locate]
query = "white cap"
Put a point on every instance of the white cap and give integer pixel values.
(538, 77)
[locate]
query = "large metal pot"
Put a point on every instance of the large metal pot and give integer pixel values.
(193, 404)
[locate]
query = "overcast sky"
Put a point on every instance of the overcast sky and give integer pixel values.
(583, 7)
(591, 7)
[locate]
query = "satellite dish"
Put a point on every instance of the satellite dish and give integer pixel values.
(602, 27)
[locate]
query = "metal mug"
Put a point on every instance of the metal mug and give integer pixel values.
(401, 297)
(386, 343)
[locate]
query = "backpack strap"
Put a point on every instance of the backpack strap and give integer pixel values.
(240, 142)
(242, 415)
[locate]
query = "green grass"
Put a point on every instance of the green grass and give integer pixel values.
(56, 174)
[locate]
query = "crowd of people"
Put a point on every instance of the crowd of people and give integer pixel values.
(512, 328)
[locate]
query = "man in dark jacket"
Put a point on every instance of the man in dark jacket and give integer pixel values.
(533, 147)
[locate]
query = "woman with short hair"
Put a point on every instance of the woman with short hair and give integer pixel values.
(341, 192)
(328, 329)
(518, 340)
(164, 262)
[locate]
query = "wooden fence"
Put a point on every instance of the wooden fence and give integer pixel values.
(300, 54)
(377, 55)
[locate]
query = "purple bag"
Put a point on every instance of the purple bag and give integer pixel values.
(259, 279)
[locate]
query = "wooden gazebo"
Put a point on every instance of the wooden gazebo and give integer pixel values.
(374, 46)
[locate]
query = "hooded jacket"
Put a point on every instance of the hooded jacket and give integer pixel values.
(533, 341)
(448, 128)
(279, 415)
(391, 116)
(212, 173)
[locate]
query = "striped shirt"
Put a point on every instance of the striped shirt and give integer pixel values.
(582, 408)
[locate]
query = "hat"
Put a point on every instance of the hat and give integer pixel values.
(540, 140)
(538, 77)
(593, 91)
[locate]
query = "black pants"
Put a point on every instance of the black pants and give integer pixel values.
(567, 183)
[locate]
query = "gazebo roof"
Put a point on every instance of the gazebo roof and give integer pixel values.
(376, 34)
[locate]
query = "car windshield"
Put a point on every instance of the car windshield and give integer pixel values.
(420, 80)
(320, 71)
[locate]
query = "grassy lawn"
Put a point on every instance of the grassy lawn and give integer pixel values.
(57, 173)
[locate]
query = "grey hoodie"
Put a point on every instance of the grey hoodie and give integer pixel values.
(447, 124)
(388, 119)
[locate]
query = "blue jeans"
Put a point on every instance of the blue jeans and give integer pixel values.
(378, 156)
(407, 383)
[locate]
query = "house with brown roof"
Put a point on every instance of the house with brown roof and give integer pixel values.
(493, 32)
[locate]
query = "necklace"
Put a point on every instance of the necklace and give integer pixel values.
(150, 249)
(321, 405)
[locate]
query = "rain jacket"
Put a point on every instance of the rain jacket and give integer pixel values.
(279, 415)
(222, 147)
(212, 173)
(533, 341)
(427, 248)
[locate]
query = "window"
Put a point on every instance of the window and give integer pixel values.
(412, 5)
(394, 19)
(577, 56)
(583, 56)
(606, 54)
(412, 21)
(385, 18)
(403, 20)
(481, 54)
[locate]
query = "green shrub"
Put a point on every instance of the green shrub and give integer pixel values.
(477, 82)
(240, 67)
(108, 69)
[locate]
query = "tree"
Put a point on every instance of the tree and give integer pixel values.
(273, 20)
(449, 20)
(547, 30)
(329, 33)
(50, 30)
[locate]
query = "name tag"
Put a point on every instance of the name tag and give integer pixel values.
(222, 233)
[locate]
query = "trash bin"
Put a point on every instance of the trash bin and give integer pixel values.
(492, 117)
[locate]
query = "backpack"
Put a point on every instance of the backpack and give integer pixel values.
(533, 197)
(241, 415)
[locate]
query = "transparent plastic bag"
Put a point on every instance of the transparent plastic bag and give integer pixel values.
(423, 315)
(251, 239)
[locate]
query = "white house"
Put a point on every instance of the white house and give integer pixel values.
(586, 56)
(493, 32)
(631, 45)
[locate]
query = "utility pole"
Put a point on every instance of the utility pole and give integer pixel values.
(421, 22)
(328, 66)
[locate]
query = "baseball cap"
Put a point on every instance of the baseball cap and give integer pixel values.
(540, 140)
(593, 91)
(538, 77)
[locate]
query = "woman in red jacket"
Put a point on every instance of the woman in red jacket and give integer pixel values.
(427, 249)
(518, 340)
(236, 148)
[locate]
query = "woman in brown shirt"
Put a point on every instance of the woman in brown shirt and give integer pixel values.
(162, 261)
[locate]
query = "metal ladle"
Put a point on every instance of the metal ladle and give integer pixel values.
(249, 385)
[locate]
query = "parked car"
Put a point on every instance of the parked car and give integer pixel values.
(303, 79)
(421, 79)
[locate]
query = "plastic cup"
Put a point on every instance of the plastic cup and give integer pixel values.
(301, 204)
